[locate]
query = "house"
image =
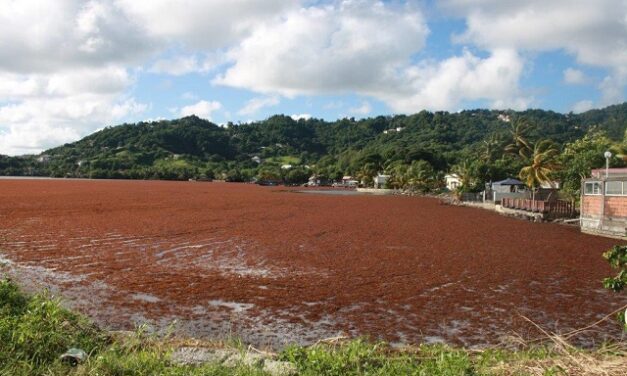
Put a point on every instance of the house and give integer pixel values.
(349, 181)
(508, 188)
(256, 159)
(452, 181)
(286, 166)
(317, 181)
(604, 202)
(44, 158)
(380, 181)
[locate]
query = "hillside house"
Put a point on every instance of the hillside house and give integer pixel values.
(452, 181)
(604, 202)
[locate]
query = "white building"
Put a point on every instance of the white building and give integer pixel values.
(380, 181)
(453, 181)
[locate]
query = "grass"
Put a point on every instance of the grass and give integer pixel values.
(35, 330)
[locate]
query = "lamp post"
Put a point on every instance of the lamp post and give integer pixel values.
(608, 155)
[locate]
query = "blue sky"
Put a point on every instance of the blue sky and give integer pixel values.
(70, 67)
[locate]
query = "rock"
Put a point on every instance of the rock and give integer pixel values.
(231, 359)
(249, 359)
(199, 355)
(279, 368)
(74, 356)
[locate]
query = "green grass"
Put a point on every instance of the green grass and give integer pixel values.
(36, 330)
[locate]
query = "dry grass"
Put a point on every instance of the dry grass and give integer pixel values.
(566, 359)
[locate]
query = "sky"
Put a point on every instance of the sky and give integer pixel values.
(70, 67)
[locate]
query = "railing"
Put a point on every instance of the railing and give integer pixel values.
(557, 208)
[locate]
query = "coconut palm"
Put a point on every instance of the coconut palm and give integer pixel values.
(398, 175)
(540, 165)
(466, 176)
(420, 176)
(519, 144)
(490, 147)
(366, 173)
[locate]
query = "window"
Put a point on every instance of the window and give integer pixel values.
(592, 188)
(616, 188)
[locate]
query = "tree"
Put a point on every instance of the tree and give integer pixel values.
(519, 131)
(617, 258)
(367, 173)
(540, 165)
(491, 148)
(466, 176)
(420, 176)
(398, 175)
(579, 158)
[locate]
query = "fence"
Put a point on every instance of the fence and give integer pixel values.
(472, 197)
(557, 208)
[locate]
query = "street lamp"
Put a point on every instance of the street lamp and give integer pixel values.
(608, 155)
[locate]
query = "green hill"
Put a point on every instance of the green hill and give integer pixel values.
(193, 147)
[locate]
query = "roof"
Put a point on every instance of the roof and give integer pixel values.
(599, 172)
(509, 181)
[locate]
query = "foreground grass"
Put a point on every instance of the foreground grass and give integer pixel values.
(36, 330)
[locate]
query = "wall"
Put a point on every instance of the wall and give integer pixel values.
(615, 206)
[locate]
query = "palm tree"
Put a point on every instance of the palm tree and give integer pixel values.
(366, 173)
(489, 147)
(540, 165)
(398, 175)
(466, 176)
(420, 176)
(519, 145)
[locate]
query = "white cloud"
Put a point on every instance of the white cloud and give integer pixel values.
(340, 47)
(574, 76)
(176, 66)
(181, 65)
(203, 24)
(254, 105)
(363, 109)
(38, 123)
(298, 117)
(446, 84)
(48, 35)
(202, 109)
(366, 47)
(594, 32)
(583, 106)
(43, 110)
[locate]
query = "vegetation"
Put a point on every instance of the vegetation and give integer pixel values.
(35, 331)
(617, 258)
(480, 145)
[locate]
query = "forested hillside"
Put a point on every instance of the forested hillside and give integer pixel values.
(483, 144)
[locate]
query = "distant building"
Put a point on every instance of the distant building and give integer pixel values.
(504, 118)
(380, 181)
(44, 158)
(604, 203)
(349, 181)
(452, 181)
(286, 166)
(318, 181)
(256, 159)
(508, 188)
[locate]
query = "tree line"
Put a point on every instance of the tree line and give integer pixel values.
(415, 150)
